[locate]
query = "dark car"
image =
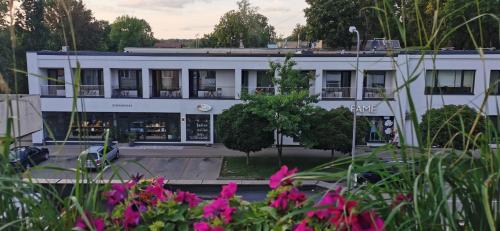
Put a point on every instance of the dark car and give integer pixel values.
(391, 168)
(25, 157)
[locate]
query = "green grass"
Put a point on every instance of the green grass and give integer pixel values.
(264, 167)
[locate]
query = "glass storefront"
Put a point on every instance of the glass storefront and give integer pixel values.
(198, 127)
(381, 129)
(86, 126)
(149, 126)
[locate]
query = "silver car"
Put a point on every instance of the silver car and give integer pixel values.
(94, 156)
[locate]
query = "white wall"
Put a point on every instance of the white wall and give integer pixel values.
(29, 114)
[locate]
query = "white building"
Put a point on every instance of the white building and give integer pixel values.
(173, 96)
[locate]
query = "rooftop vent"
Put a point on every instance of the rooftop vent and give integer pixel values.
(382, 44)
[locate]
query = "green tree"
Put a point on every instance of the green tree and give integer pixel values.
(240, 129)
(69, 20)
(130, 31)
(334, 132)
(300, 32)
(285, 111)
(450, 125)
(246, 24)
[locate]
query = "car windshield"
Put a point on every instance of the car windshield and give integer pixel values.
(16, 154)
(92, 155)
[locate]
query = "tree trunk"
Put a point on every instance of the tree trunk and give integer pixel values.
(280, 150)
(333, 153)
(248, 158)
(278, 146)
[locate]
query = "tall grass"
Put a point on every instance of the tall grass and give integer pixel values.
(450, 189)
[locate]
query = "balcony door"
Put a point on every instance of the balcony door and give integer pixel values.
(166, 84)
(202, 83)
(337, 84)
(374, 84)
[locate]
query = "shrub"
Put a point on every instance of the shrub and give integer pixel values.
(450, 126)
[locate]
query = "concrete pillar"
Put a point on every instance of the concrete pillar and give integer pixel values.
(146, 85)
(185, 83)
(237, 83)
(252, 81)
(34, 74)
(183, 127)
(212, 126)
(37, 137)
(68, 78)
(108, 89)
(318, 83)
(277, 86)
(359, 84)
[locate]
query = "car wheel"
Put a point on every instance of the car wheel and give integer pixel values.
(46, 156)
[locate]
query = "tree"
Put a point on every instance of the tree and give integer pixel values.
(285, 111)
(130, 31)
(30, 25)
(245, 24)
(74, 25)
(239, 129)
(300, 32)
(330, 20)
(450, 125)
(334, 132)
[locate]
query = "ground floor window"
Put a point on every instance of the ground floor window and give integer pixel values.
(85, 126)
(198, 127)
(150, 126)
(381, 129)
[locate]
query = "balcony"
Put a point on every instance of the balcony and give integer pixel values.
(91, 91)
(448, 90)
(214, 93)
(258, 90)
(126, 93)
(52, 91)
(378, 93)
(337, 93)
(168, 93)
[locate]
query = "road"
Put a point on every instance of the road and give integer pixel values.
(172, 168)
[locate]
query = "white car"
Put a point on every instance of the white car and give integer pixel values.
(94, 156)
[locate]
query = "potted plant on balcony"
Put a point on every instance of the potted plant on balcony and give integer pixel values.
(131, 139)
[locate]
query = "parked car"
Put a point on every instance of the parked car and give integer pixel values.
(24, 157)
(391, 168)
(93, 157)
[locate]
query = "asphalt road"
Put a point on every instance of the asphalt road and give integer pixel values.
(172, 168)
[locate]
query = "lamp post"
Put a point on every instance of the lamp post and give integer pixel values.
(352, 29)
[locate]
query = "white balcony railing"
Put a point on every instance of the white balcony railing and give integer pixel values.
(258, 90)
(91, 90)
(377, 93)
(337, 92)
(53, 90)
(217, 93)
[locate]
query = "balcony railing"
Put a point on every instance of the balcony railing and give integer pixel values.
(168, 93)
(128, 93)
(448, 90)
(258, 90)
(377, 93)
(53, 90)
(91, 91)
(337, 93)
(216, 93)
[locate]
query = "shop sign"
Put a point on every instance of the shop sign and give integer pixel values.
(121, 105)
(366, 108)
(204, 107)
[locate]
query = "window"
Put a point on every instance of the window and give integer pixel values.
(150, 126)
(56, 76)
(449, 82)
(264, 79)
(128, 79)
(337, 79)
(374, 79)
(198, 127)
(91, 77)
(169, 79)
(495, 82)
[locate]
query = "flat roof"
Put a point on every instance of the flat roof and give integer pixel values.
(256, 52)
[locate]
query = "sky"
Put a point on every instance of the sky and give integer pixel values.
(193, 18)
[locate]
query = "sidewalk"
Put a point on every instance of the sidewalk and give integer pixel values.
(214, 151)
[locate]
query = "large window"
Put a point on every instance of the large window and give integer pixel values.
(86, 125)
(449, 82)
(198, 127)
(495, 82)
(264, 79)
(150, 126)
(202, 83)
(91, 77)
(374, 85)
(382, 129)
(56, 76)
(166, 84)
(129, 79)
(336, 84)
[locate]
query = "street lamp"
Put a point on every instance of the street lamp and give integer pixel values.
(352, 29)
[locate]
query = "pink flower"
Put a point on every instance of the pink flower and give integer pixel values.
(187, 197)
(204, 226)
(368, 221)
(132, 214)
(97, 223)
(219, 207)
(400, 198)
(302, 226)
(292, 195)
(157, 191)
(276, 178)
(116, 194)
(229, 190)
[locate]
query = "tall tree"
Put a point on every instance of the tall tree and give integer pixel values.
(244, 24)
(242, 130)
(300, 32)
(285, 111)
(130, 31)
(30, 25)
(71, 20)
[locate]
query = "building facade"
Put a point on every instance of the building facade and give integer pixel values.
(173, 96)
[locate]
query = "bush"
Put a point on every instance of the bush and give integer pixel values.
(450, 126)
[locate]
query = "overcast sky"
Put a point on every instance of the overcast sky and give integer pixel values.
(189, 18)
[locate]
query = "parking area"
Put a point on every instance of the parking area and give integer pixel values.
(172, 168)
